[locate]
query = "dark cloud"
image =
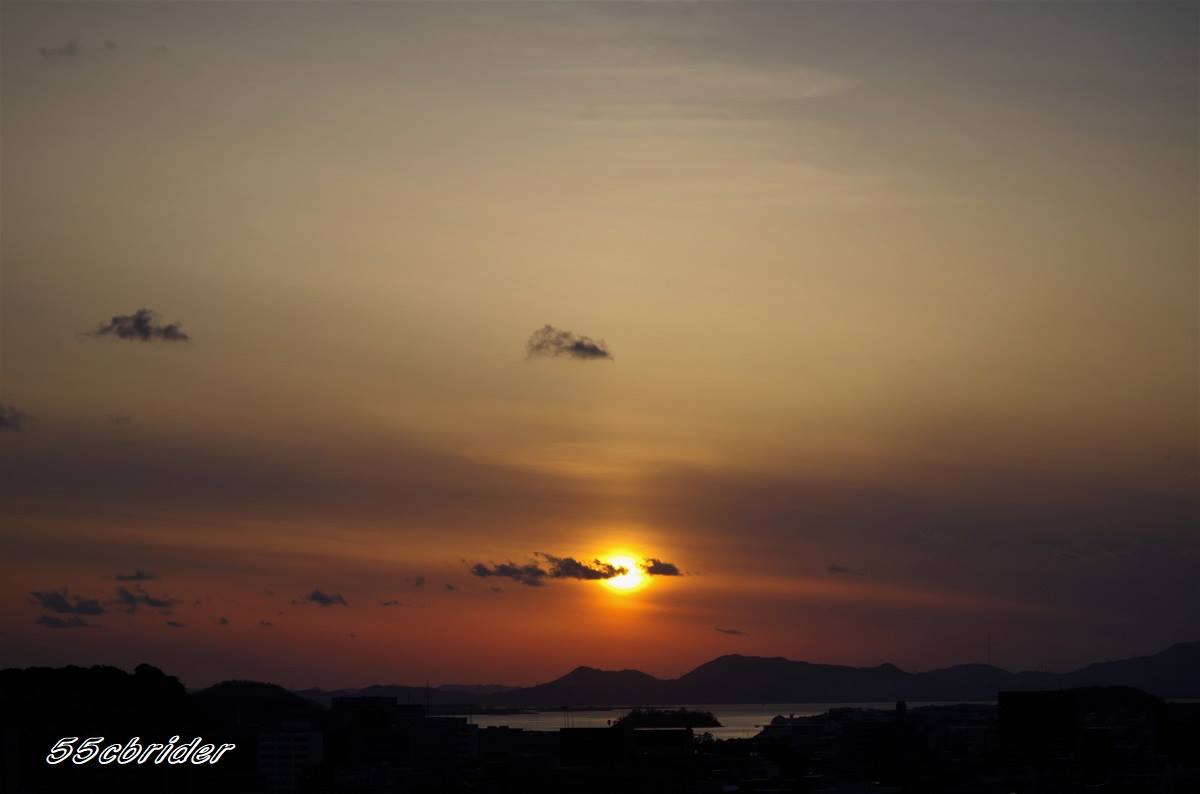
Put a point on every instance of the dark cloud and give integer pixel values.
(842, 569)
(130, 600)
(656, 567)
(67, 623)
(138, 575)
(735, 632)
(551, 342)
(571, 568)
(222, 621)
(62, 602)
(530, 575)
(141, 326)
(323, 599)
(391, 602)
(534, 574)
(70, 49)
(11, 419)
(175, 624)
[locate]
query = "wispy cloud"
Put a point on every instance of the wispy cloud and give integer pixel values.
(734, 632)
(64, 623)
(68, 49)
(131, 600)
(842, 570)
(529, 574)
(698, 88)
(551, 342)
(323, 599)
(175, 624)
(138, 575)
(141, 326)
(74, 48)
(64, 603)
(11, 419)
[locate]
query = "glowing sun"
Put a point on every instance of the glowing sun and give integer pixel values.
(632, 579)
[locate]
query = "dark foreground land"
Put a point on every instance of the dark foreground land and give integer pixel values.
(1096, 739)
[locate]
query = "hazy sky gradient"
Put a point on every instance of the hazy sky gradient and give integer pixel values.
(909, 290)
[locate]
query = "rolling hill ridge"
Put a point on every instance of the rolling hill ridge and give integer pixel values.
(1172, 673)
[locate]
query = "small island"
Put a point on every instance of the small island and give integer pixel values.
(667, 718)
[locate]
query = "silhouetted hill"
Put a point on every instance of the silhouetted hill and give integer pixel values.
(252, 704)
(588, 686)
(476, 689)
(1173, 673)
(93, 698)
(446, 694)
(752, 679)
(42, 705)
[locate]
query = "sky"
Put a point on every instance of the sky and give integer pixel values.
(346, 343)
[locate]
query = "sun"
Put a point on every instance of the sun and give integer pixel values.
(632, 579)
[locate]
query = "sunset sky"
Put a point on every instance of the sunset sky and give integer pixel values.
(885, 322)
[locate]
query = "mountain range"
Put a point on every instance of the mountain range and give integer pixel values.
(1172, 673)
